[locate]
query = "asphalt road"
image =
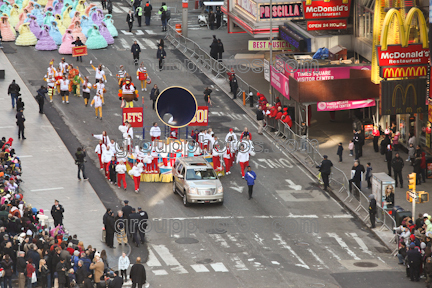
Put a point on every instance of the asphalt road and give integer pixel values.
(291, 234)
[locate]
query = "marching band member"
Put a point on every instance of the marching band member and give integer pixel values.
(50, 85)
(155, 158)
(121, 174)
(135, 172)
(64, 89)
(99, 149)
(99, 73)
(107, 154)
(121, 75)
(58, 75)
(142, 76)
(104, 137)
(243, 159)
(86, 90)
(97, 101)
(155, 132)
(227, 159)
(231, 134)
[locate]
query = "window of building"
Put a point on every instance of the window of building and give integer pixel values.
(365, 17)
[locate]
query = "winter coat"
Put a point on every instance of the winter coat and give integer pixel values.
(7, 266)
(98, 268)
(397, 164)
(138, 274)
(339, 150)
(123, 263)
(61, 274)
(325, 167)
(250, 178)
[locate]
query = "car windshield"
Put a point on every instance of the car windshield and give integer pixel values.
(200, 174)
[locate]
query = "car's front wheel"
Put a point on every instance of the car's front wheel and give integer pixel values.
(185, 200)
(174, 187)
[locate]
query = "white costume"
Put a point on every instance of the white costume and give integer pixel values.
(155, 132)
(234, 136)
(105, 139)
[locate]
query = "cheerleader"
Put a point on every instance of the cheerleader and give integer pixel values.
(243, 159)
(99, 149)
(135, 172)
(104, 137)
(142, 76)
(63, 66)
(86, 90)
(100, 74)
(216, 158)
(97, 101)
(121, 174)
(148, 159)
(58, 76)
(107, 155)
(64, 89)
(100, 87)
(227, 159)
(139, 154)
(155, 158)
(51, 82)
(129, 129)
(155, 132)
(164, 157)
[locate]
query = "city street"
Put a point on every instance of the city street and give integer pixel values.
(291, 234)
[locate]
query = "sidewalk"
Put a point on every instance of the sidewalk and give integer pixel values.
(49, 170)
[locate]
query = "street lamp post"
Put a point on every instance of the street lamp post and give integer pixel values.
(185, 5)
(271, 49)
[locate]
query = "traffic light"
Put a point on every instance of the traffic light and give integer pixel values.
(412, 182)
(408, 197)
(423, 197)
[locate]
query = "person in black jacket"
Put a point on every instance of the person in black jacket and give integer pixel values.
(218, 17)
(80, 160)
(147, 13)
(41, 97)
(109, 6)
(116, 282)
(325, 169)
(57, 211)
(81, 273)
(134, 219)
(260, 119)
(389, 156)
(414, 259)
(130, 20)
(14, 90)
(220, 49)
(372, 210)
(135, 50)
(138, 274)
(77, 43)
(20, 123)
(143, 224)
(397, 164)
(127, 210)
(110, 229)
(154, 94)
(356, 178)
(340, 151)
(234, 86)
(20, 104)
(61, 273)
(21, 268)
(161, 54)
(214, 48)
(211, 19)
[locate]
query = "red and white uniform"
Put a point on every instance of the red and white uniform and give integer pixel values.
(142, 74)
(231, 134)
(201, 139)
(243, 159)
(121, 175)
(216, 159)
(99, 150)
(105, 138)
(148, 159)
(135, 172)
(164, 157)
(207, 141)
(107, 154)
(155, 133)
(154, 166)
(139, 154)
(227, 159)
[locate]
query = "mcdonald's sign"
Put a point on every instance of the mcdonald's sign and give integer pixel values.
(403, 96)
(324, 9)
(403, 71)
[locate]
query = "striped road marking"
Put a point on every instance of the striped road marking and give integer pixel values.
(169, 259)
(199, 268)
(343, 245)
(219, 267)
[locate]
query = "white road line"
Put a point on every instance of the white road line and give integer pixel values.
(6, 127)
(139, 32)
(239, 263)
(343, 245)
(140, 44)
(179, 269)
(242, 217)
(160, 272)
(125, 9)
(333, 253)
(218, 238)
(117, 10)
(360, 242)
(47, 189)
(317, 258)
(199, 268)
(150, 32)
(150, 43)
(166, 256)
(341, 216)
(286, 246)
(153, 261)
(25, 156)
(126, 32)
(124, 43)
(219, 267)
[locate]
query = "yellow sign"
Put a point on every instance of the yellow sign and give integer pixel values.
(260, 45)
(399, 72)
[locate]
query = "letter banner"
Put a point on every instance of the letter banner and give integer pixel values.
(79, 51)
(263, 45)
(396, 55)
(403, 71)
(322, 9)
(135, 116)
(201, 117)
(345, 105)
(291, 11)
(403, 96)
(339, 24)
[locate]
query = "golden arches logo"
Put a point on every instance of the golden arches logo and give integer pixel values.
(399, 72)
(404, 93)
(309, 2)
(404, 27)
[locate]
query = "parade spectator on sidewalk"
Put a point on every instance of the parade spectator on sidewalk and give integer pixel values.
(138, 274)
(351, 147)
(368, 175)
(356, 172)
(13, 91)
(123, 265)
(80, 162)
(411, 152)
(397, 164)
(260, 119)
(372, 210)
(423, 166)
(57, 211)
(414, 258)
(20, 119)
(20, 104)
(340, 151)
(389, 156)
(325, 169)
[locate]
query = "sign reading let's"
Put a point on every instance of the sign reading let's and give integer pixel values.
(135, 116)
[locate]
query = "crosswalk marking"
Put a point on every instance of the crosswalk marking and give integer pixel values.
(153, 261)
(166, 256)
(286, 246)
(139, 32)
(333, 253)
(125, 9)
(317, 258)
(140, 44)
(125, 44)
(219, 267)
(218, 238)
(150, 32)
(117, 10)
(126, 32)
(160, 272)
(239, 263)
(360, 242)
(343, 245)
(150, 43)
(199, 268)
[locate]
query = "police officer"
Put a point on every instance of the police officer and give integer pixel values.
(414, 262)
(143, 224)
(139, 13)
(127, 210)
(325, 169)
(134, 219)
